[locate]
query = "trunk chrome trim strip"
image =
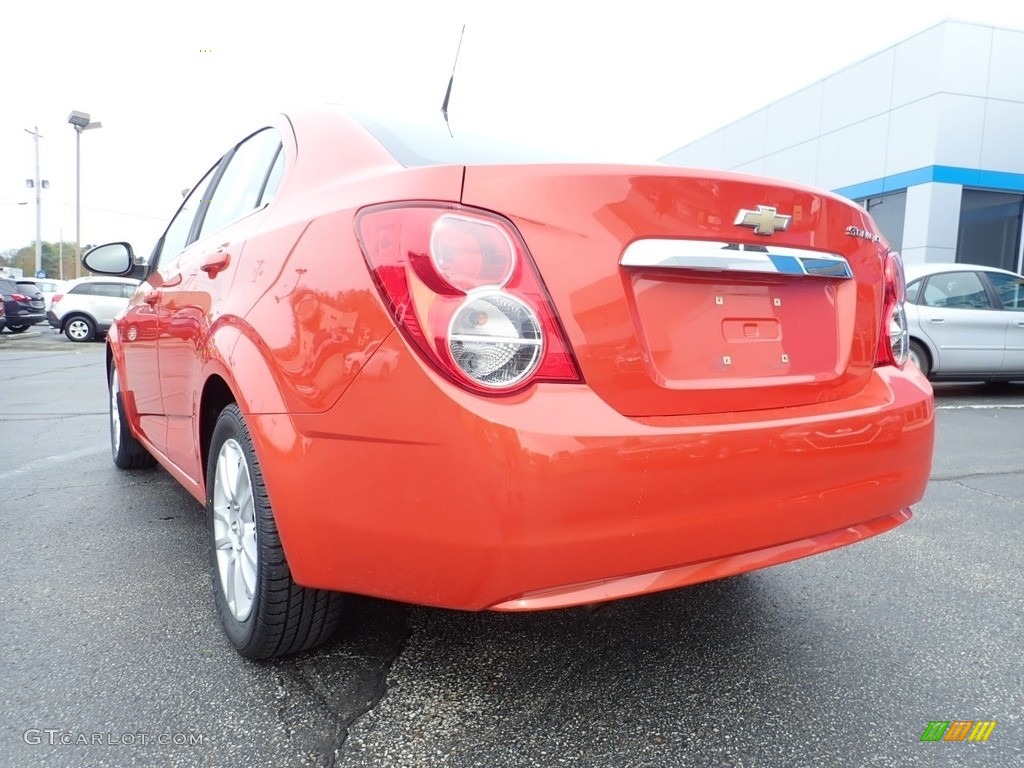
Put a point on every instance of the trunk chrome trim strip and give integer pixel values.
(714, 256)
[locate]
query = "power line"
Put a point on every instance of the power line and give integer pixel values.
(107, 210)
(125, 213)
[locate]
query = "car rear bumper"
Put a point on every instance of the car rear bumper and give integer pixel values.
(52, 319)
(25, 318)
(411, 490)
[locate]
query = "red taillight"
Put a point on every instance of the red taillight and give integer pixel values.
(462, 287)
(894, 341)
(468, 253)
(19, 297)
(56, 297)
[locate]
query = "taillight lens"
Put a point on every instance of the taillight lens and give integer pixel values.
(894, 344)
(19, 297)
(56, 297)
(462, 287)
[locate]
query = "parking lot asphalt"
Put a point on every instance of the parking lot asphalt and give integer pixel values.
(111, 655)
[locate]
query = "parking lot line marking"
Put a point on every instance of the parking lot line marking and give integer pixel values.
(978, 407)
(48, 460)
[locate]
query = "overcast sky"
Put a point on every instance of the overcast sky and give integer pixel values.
(176, 83)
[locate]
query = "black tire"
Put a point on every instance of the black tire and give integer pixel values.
(127, 452)
(280, 617)
(919, 355)
(80, 328)
(18, 328)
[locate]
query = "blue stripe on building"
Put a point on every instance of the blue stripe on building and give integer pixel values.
(944, 174)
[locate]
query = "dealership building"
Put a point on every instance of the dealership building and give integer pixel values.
(928, 135)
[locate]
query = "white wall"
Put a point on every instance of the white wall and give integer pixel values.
(931, 223)
(950, 96)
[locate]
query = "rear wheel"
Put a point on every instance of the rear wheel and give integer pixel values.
(919, 357)
(80, 328)
(127, 452)
(263, 611)
(17, 328)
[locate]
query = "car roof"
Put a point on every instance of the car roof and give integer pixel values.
(914, 271)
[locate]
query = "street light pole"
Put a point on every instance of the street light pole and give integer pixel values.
(78, 199)
(81, 122)
(39, 203)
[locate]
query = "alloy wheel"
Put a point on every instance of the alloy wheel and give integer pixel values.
(234, 529)
(115, 413)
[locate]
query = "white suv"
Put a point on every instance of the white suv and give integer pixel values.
(90, 305)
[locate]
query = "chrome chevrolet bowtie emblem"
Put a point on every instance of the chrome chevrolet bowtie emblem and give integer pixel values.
(764, 220)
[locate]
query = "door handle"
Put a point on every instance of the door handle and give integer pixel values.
(215, 262)
(936, 320)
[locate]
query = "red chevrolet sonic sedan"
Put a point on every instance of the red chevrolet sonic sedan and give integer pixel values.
(396, 360)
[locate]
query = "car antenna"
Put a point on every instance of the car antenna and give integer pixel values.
(448, 93)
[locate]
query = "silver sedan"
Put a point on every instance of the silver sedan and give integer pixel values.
(966, 321)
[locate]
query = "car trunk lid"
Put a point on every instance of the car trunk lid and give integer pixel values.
(686, 292)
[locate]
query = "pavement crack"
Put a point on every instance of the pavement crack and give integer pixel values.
(1001, 496)
(29, 416)
(374, 686)
(324, 693)
(17, 499)
(955, 478)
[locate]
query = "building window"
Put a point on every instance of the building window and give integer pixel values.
(990, 228)
(888, 213)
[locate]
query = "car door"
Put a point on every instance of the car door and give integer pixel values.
(195, 285)
(1010, 291)
(107, 301)
(139, 327)
(959, 318)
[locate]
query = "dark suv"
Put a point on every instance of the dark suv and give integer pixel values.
(23, 303)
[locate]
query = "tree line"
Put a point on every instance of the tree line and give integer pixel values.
(52, 259)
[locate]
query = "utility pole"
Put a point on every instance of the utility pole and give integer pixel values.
(39, 204)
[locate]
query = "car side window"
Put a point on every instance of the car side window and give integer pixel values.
(913, 290)
(956, 290)
(109, 290)
(274, 179)
(239, 189)
(85, 289)
(176, 238)
(1010, 289)
(127, 290)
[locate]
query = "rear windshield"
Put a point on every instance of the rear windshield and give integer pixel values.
(30, 289)
(433, 142)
